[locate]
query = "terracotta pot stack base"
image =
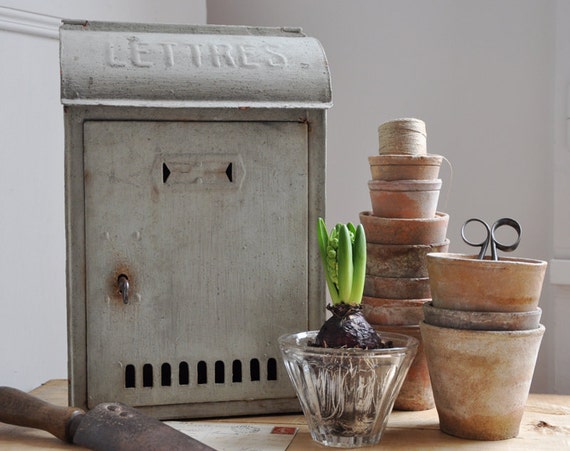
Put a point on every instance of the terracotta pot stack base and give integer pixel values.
(480, 378)
(402, 228)
(481, 335)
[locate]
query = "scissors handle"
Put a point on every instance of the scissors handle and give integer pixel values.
(482, 244)
(491, 239)
(504, 247)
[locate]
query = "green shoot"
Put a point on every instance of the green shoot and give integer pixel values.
(343, 254)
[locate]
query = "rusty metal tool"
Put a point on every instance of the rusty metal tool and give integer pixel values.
(108, 426)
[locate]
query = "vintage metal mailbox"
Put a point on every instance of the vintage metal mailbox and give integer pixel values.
(195, 173)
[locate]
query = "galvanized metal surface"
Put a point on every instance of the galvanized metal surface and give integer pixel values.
(208, 260)
(133, 64)
(191, 248)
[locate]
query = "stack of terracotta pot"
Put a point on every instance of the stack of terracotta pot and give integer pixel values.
(401, 229)
(481, 335)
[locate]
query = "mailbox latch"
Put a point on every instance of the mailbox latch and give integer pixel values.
(123, 282)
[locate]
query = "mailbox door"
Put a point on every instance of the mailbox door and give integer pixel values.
(208, 223)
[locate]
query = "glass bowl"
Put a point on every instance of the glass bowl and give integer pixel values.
(347, 394)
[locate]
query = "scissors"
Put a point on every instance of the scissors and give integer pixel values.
(490, 238)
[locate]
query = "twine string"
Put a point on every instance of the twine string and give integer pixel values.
(403, 136)
(447, 185)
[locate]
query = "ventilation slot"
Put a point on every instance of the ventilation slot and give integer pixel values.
(254, 369)
(202, 372)
(165, 375)
(183, 374)
(130, 376)
(236, 371)
(272, 370)
(147, 375)
(219, 373)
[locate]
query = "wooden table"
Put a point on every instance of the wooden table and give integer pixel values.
(545, 426)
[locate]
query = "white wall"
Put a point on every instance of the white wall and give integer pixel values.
(33, 345)
(561, 266)
(480, 73)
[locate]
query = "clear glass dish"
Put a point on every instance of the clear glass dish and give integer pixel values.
(347, 394)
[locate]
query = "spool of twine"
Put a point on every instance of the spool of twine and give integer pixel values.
(403, 136)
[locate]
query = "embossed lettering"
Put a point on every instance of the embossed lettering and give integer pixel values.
(137, 49)
(111, 57)
(196, 54)
(222, 52)
(135, 53)
(168, 53)
(246, 55)
(277, 59)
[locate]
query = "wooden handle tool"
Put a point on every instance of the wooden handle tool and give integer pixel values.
(107, 427)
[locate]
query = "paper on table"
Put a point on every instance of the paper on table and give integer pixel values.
(238, 437)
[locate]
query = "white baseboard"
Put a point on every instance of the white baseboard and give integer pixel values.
(35, 24)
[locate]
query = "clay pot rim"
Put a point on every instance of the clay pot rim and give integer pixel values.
(489, 333)
(481, 320)
(389, 302)
(405, 185)
(369, 215)
(409, 246)
(404, 159)
(406, 279)
(405, 329)
(480, 313)
(379, 327)
(472, 260)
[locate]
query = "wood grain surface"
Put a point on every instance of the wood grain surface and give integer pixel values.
(545, 426)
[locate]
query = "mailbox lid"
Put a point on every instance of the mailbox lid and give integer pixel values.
(105, 63)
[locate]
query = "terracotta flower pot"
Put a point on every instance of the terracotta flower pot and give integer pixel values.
(402, 136)
(393, 312)
(397, 287)
(404, 167)
(404, 198)
(462, 319)
(416, 392)
(463, 282)
(404, 231)
(400, 260)
(480, 379)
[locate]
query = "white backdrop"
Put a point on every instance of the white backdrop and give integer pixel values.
(483, 75)
(33, 346)
(479, 73)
